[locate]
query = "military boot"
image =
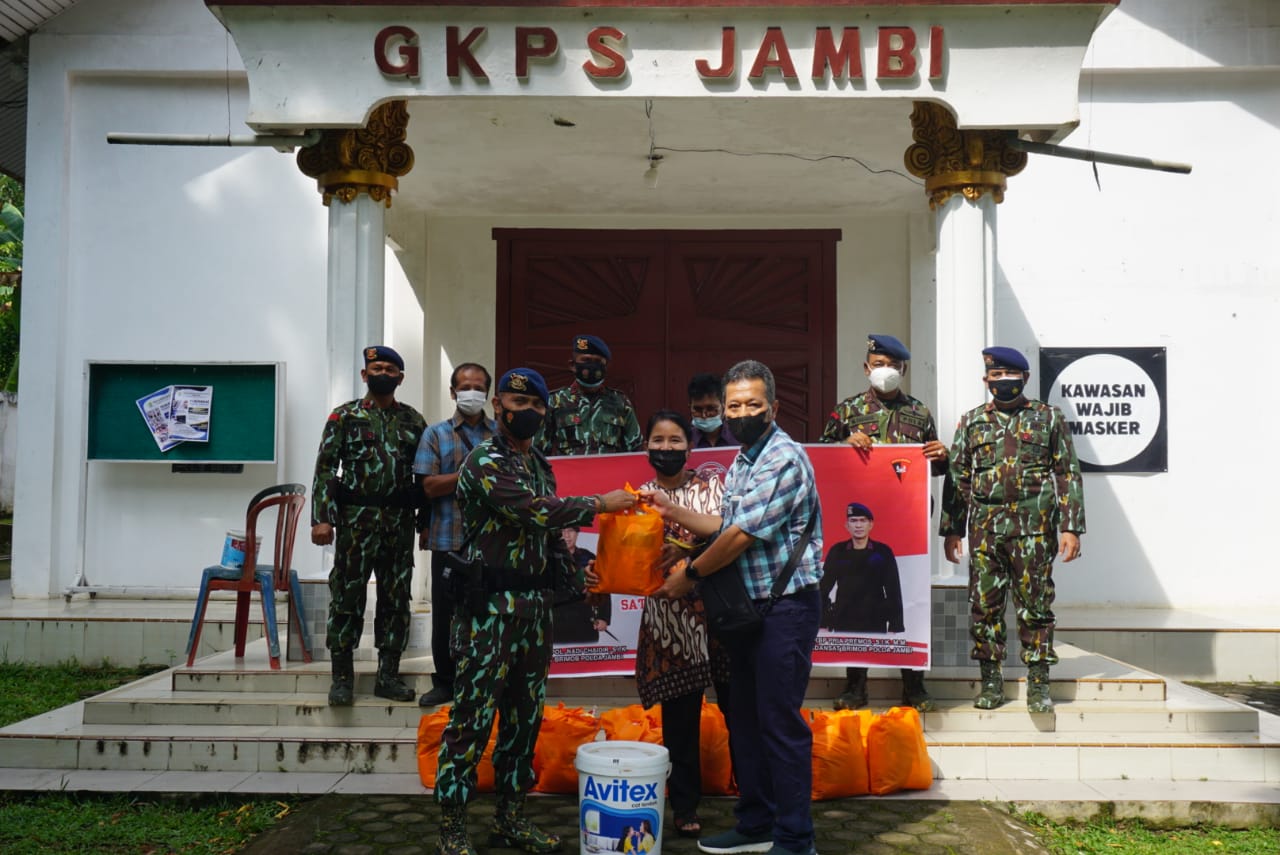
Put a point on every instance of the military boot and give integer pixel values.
(389, 684)
(344, 679)
(513, 829)
(854, 695)
(992, 694)
(453, 832)
(1038, 700)
(914, 694)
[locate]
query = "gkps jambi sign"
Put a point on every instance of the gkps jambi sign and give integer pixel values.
(1114, 402)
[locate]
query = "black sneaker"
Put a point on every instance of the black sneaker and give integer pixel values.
(733, 841)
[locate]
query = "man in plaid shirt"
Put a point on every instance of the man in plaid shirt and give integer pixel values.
(443, 448)
(770, 497)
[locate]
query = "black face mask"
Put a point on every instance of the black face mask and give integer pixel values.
(522, 424)
(667, 461)
(748, 429)
(1005, 390)
(589, 374)
(382, 384)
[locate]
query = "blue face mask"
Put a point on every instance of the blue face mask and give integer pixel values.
(707, 425)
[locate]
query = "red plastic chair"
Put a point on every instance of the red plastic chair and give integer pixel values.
(289, 500)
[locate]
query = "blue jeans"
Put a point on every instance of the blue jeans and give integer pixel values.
(772, 743)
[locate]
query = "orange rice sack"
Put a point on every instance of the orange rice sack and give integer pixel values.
(563, 730)
(897, 756)
(839, 754)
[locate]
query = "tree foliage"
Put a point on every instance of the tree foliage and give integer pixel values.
(12, 227)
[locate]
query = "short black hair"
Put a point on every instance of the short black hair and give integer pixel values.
(473, 366)
(750, 369)
(704, 384)
(679, 419)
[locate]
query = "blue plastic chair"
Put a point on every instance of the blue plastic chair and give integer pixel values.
(289, 500)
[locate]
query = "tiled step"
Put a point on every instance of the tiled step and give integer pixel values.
(135, 706)
(1051, 756)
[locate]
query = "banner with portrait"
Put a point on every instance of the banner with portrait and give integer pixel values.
(867, 619)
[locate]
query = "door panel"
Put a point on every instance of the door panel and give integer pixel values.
(672, 304)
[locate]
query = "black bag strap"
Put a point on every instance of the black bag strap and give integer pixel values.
(780, 584)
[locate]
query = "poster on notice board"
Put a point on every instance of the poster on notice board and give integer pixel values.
(177, 414)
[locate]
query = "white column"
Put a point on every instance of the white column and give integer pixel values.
(357, 235)
(965, 267)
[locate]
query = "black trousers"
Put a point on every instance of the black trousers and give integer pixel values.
(681, 734)
(441, 619)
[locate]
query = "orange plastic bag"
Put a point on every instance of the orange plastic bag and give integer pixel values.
(628, 550)
(632, 723)
(430, 730)
(896, 753)
(839, 754)
(563, 730)
(716, 762)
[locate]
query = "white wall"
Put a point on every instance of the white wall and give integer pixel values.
(152, 254)
(1184, 262)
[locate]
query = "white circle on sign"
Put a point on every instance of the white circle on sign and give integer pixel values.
(1112, 407)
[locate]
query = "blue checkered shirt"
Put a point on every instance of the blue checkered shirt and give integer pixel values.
(441, 452)
(770, 493)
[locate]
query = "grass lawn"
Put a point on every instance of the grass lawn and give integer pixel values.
(1127, 837)
(32, 823)
(45, 822)
(28, 690)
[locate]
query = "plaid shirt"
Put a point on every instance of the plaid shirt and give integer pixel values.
(770, 493)
(441, 452)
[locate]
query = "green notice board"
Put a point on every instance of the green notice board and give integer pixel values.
(243, 419)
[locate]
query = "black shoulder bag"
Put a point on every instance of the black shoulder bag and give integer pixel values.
(732, 616)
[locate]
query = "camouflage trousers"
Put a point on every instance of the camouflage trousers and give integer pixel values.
(387, 555)
(502, 668)
(998, 563)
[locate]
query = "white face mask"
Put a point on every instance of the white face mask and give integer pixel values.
(886, 379)
(470, 401)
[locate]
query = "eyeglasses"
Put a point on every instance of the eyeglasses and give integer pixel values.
(706, 412)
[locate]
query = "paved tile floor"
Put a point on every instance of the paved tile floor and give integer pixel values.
(402, 825)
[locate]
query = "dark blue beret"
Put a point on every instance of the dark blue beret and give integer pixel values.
(1005, 357)
(889, 346)
(591, 344)
(382, 353)
(857, 509)
(524, 381)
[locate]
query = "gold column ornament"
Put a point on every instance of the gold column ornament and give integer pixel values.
(952, 161)
(348, 162)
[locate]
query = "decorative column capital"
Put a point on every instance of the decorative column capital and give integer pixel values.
(348, 162)
(972, 163)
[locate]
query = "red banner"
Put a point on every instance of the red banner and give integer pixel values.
(892, 481)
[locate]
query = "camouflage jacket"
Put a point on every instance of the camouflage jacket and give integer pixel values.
(510, 514)
(367, 452)
(602, 423)
(902, 419)
(1013, 473)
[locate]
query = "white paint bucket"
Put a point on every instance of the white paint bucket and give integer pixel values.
(233, 549)
(620, 794)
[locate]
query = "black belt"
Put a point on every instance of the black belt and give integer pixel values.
(410, 497)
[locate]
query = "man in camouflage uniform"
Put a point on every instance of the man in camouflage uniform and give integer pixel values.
(364, 486)
(502, 628)
(885, 414)
(587, 417)
(1015, 479)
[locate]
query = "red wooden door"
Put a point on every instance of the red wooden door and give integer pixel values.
(674, 303)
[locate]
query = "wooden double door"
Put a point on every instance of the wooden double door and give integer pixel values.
(672, 304)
